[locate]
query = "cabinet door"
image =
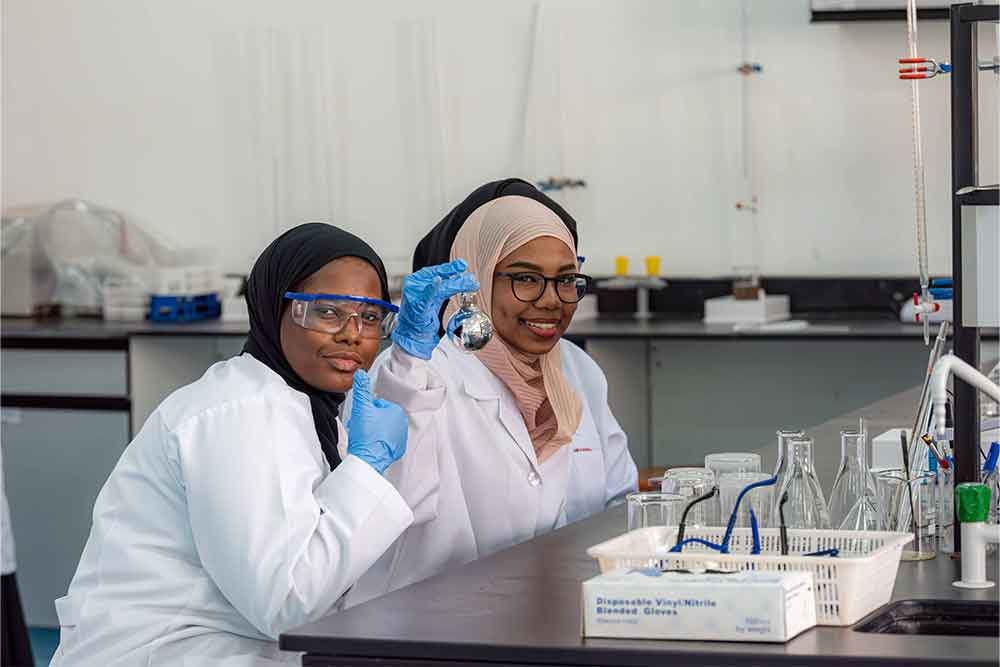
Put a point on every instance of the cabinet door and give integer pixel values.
(55, 464)
(159, 365)
(64, 372)
(722, 396)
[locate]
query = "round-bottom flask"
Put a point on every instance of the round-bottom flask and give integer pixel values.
(469, 328)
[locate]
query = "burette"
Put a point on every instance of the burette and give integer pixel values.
(925, 303)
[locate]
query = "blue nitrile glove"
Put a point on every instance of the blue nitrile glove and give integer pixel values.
(376, 432)
(424, 292)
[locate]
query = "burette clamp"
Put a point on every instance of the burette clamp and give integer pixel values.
(919, 306)
(922, 68)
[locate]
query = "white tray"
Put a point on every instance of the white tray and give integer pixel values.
(848, 587)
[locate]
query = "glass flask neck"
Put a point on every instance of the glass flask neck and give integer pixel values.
(800, 452)
(467, 300)
(852, 450)
(784, 454)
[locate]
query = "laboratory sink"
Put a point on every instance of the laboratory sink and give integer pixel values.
(935, 617)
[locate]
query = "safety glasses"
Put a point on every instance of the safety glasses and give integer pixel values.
(330, 313)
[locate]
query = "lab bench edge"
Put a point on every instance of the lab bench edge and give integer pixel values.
(522, 606)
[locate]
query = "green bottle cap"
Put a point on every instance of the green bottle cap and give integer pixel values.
(972, 502)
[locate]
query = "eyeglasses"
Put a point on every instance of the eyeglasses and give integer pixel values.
(330, 313)
(529, 286)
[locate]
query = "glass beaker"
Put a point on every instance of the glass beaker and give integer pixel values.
(649, 508)
(945, 514)
(910, 510)
(726, 462)
(692, 483)
(806, 504)
(731, 484)
(854, 503)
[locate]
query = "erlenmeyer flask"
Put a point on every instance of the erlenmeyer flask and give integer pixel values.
(854, 503)
(806, 505)
(785, 436)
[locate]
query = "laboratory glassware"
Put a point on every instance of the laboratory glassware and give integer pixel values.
(916, 449)
(806, 505)
(724, 462)
(785, 435)
(691, 483)
(760, 499)
(854, 503)
(945, 501)
(915, 499)
(469, 328)
(925, 298)
(649, 508)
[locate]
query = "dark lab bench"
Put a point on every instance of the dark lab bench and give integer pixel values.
(522, 607)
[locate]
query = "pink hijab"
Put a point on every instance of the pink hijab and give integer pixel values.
(550, 406)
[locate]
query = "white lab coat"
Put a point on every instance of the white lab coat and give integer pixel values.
(8, 561)
(470, 472)
(220, 527)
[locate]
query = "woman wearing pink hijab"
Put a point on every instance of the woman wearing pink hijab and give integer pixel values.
(509, 442)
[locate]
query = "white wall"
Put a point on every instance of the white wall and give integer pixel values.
(223, 123)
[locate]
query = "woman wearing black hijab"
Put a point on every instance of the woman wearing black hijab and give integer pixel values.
(244, 507)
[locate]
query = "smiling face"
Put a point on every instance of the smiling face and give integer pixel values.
(328, 361)
(533, 328)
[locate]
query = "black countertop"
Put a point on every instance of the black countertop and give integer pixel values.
(522, 606)
(18, 331)
(599, 327)
(81, 331)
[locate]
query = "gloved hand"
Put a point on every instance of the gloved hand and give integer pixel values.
(424, 292)
(376, 432)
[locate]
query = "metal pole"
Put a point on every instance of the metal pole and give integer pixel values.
(964, 148)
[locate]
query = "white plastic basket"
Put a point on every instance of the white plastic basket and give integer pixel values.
(848, 587)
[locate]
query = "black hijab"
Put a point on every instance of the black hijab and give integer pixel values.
(435, 248)
(290, 259)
